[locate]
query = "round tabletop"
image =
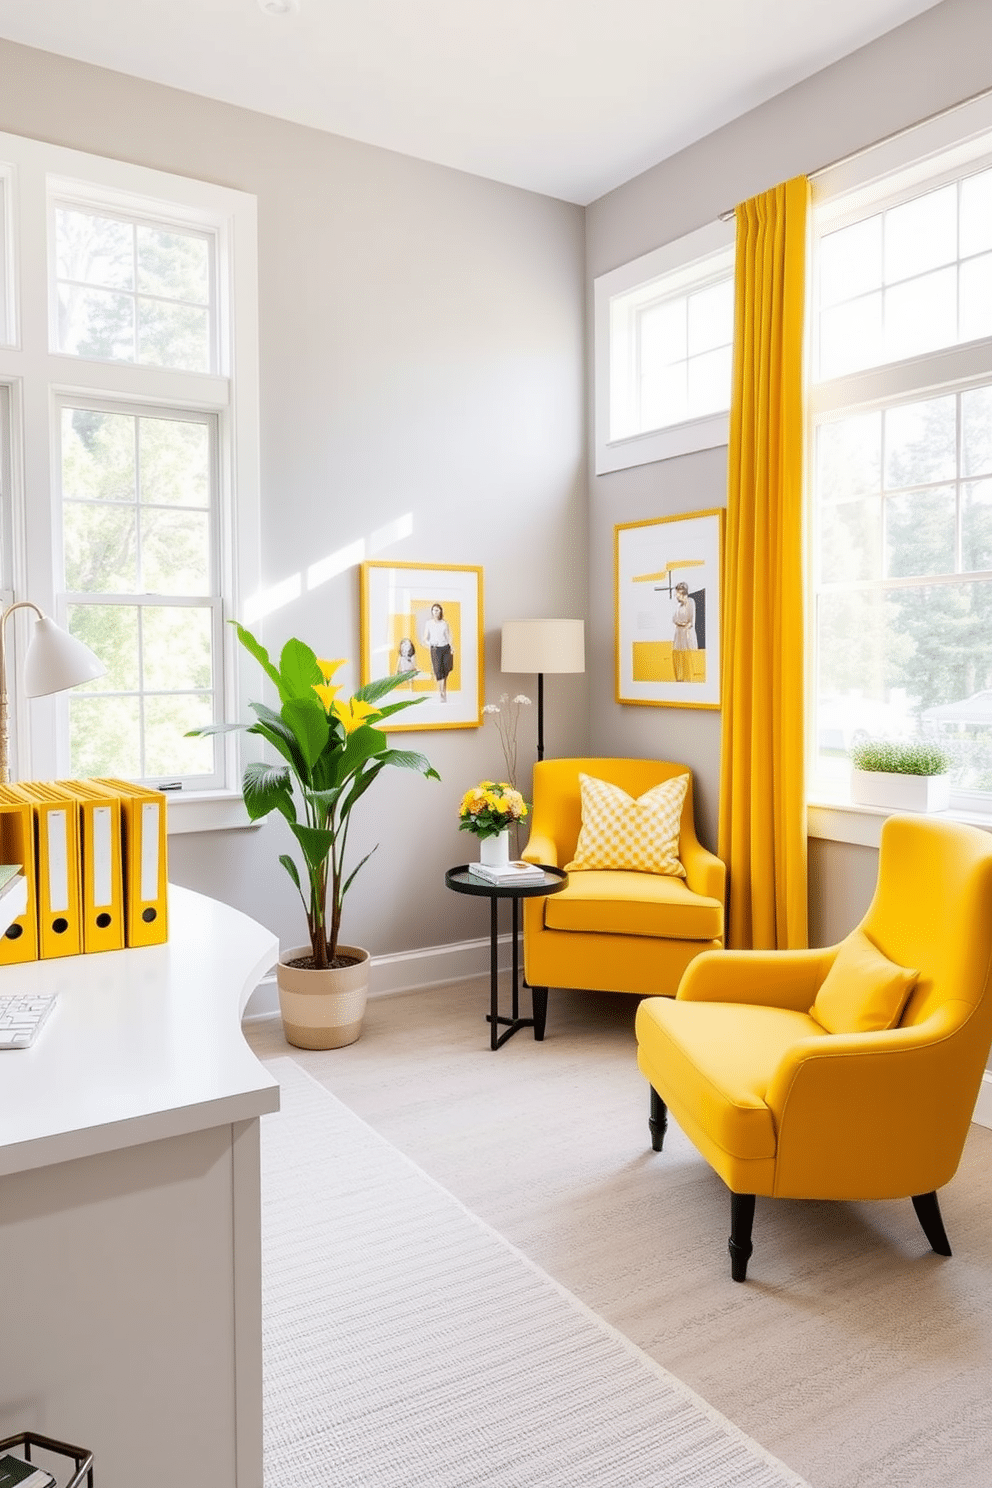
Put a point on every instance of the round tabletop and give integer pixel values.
(464, 882)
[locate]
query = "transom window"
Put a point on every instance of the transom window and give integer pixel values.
(664, 350)
(132, 291)
(908, 280)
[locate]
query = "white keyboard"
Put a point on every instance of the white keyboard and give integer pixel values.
(21, 1016)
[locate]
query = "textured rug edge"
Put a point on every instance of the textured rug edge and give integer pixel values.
(620, 1338)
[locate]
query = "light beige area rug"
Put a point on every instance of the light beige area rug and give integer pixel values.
(408, 1345)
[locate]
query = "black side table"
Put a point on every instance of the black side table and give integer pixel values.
(464, 882)
(82, 1457)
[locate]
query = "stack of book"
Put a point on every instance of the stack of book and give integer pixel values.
(508, 873)
(15, 1471)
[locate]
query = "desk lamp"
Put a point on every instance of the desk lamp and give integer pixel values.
(54, 661)
(543, 646)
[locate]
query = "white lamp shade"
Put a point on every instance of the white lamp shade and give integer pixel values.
(55, 660)
(543, 646)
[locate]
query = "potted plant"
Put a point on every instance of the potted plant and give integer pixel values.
(488, 811)
(901, 776)
(332, 752)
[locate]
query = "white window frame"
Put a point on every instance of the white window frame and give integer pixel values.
(690, 261)
(38, 379)
(908, 165)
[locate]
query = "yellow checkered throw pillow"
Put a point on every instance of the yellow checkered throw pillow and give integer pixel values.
(619, 832)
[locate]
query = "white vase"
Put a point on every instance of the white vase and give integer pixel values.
(495, 851)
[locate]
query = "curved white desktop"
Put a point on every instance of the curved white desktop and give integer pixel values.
(130, 1262)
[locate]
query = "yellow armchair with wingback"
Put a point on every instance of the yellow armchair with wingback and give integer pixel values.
(808, 1074)
(609, 930)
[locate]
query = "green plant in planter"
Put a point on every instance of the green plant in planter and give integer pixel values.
(333, 752)
(881, 755)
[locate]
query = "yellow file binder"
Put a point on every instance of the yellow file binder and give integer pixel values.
(20, 941)
(56, 836)
(145, 860)
(101, 871)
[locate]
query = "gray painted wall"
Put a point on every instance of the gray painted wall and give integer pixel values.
(941, 58)
(422, 336)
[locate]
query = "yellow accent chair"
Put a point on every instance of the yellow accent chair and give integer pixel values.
(844, 1073)
(612, 930)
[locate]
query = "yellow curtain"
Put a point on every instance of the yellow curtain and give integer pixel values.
(762, 788)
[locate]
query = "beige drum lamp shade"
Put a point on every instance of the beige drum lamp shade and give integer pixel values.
(539, 646)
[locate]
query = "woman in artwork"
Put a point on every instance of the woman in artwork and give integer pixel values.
(406, 660)
(684, 641)
(437, 635)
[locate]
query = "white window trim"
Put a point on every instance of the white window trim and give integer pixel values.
(916, 160)
(677, 439)
(35, 377)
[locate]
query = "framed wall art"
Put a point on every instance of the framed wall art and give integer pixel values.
(668, 575)
(426, 620)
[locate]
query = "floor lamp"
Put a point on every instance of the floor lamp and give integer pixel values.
(54, 661)
(539, 646)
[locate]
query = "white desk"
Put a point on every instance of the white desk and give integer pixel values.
(130, 1206)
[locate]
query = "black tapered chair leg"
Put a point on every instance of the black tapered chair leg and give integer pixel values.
(928, 1213)
(540, 999)
(658, 1120)
(739, 1244)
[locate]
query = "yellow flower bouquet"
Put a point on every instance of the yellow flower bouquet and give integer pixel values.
(490, 808)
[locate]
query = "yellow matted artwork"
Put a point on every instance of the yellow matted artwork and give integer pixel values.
(425, 621)
(668, 576)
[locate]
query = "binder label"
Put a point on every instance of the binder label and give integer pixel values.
(149, 850)
(58, 862)
(103, 893)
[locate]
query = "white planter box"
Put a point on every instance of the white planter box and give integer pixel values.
(900, 792)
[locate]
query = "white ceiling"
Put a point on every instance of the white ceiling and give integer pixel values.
(565, 97)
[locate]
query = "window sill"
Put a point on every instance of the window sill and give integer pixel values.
(834, 821)
(206, 811)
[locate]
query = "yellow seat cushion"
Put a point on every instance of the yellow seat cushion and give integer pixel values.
(716, 1060)
(863, 992)
(618, 832)
(633, 904)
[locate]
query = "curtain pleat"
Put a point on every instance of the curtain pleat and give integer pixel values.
(762, 787)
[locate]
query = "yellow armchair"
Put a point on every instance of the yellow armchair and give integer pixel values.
(784, 1107)
(615, 931)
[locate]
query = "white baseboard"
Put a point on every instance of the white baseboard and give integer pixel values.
(431, 966)
(983, 1106)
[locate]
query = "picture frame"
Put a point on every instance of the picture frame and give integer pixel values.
(445, 655)
(668, 642)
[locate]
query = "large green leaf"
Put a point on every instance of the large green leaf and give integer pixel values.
(315, 842)
(267, 788)
(214, 728)
(291, 869)
(360, 785)
(260, 654)
(409, 759)
(389, 708)
(271, 726)
(298, 669)
(373, 691)
(324, 799)
(362, 745)
(308, 721)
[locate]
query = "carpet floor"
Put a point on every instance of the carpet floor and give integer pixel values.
(408, 1345)
(852, 1353)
